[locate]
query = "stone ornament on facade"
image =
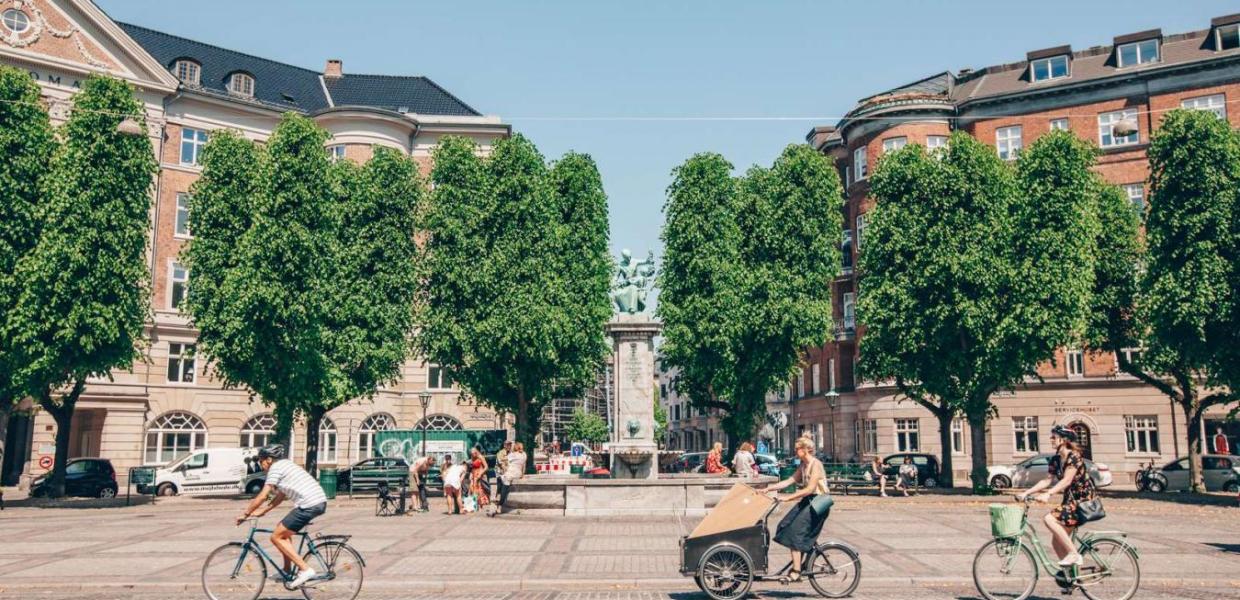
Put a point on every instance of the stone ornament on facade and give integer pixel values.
(35, 25)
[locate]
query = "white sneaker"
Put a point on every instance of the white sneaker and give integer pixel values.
(301, 579)
(1073, 559)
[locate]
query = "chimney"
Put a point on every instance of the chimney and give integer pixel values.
(334, 69)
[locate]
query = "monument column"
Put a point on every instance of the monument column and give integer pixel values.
(634, 451)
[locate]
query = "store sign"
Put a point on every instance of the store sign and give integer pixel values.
(1063, 410)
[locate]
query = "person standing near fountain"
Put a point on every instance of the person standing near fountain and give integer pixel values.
(799, 529)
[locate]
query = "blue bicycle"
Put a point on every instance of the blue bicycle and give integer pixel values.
(238, 570)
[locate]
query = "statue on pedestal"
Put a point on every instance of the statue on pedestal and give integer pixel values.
(631, 283)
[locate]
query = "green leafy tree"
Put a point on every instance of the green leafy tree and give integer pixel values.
(27, 143)
(305, 261)
(587, 427)
(515, 278)
(1180, 301)
(974, 272)
(747, 276)
(660, 419)
(84, 289)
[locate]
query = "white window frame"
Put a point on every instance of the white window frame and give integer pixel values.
(1136, 195)
(1074, 363)
(1221, 33)
(1215, 103)
(1141, 431)
(1009, 141)
(860, 164)
(831, 374)
(958, 440)
(850, 310)
(180, 228)
(1025, 435)
(241, 84)
(1106, 125)
(437, 383)
(335, 152)
(373, 424)
(188, 71)
(908, 435)
(1132, 354)
(173, 423)
(801, 383)
(176, 281)
(847, 262)
(182, 355)
(820, 438)
(328, 441)
(892, 144)
(815, 381)
(1060, 124)
(861, 224)
(258, 431)
(14, 18)
(194, 140)
(935, 142)
(869, 436)
(1049, 62)
(1141, 49)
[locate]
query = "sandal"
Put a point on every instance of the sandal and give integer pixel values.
(794, 576)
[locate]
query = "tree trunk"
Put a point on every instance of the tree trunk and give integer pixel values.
(944, 417)
(979, 475)
(313, 421)
(525, 433)
(62, 413)
(1192, 421)
(284, 426)
(6, 410)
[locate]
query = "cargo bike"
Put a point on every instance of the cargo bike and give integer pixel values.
(727, 552)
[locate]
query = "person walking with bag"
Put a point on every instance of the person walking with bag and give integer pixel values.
(1080, 503)
(799, 529)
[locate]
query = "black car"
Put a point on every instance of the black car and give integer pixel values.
(91, 477)
(690, 462)
(927, 467)
(369, 473)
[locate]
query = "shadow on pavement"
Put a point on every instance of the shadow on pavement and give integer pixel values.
(1229, 548)
(1207, 499)
(59, 503)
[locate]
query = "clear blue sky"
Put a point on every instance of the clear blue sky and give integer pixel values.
(668, 58)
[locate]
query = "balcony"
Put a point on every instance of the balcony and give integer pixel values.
(846, 331)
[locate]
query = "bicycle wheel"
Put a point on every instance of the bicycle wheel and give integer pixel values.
(834, 570)
(1110, 571)
(233, 572)
(726, 573)
(340, 567)
(1004, 570)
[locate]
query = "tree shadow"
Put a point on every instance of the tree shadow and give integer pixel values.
(78, 503)
(1228, 548)
(1186, 498)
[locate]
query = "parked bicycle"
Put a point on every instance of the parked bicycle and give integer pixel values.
(1006, 568)
(238, 570)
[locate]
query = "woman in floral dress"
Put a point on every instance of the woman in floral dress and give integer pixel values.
(1068, 475)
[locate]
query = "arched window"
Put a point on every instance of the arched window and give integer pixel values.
(366, 433)
(258, 431)
(439, 423)
(174, 434)
(187, 71)
(241, 84)
(327, 441)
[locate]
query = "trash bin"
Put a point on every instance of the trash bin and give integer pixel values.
(786, 471)
(575, 469)
(327, 479)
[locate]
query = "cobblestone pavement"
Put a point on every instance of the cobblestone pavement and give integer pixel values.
(918, 548)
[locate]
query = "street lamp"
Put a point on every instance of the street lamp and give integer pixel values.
(425, 399)
(833, 400)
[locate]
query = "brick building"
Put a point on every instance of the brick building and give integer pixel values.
(1133, 80)
(168, 403)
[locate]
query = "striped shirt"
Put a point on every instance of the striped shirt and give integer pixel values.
(295, 483)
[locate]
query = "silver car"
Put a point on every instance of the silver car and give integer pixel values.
(1220, 473)
(1036, 468)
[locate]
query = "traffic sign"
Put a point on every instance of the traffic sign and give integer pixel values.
(45, 462)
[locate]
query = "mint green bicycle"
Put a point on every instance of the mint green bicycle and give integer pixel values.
(1006, 568)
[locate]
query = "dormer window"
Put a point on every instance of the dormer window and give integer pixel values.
(188, 71)
(1137, 53)
(1046, 69)
(241, 84)
(1228, 37)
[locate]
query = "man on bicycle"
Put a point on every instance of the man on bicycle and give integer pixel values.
(287, 480)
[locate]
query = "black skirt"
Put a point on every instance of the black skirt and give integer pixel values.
(799, 528)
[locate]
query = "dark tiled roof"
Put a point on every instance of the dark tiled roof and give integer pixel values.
(932, 85)
(272, 80)
(275, 82)
(412, 94)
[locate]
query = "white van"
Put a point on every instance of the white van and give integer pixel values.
(206, 471)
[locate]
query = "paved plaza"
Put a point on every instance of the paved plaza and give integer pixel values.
(911, 548)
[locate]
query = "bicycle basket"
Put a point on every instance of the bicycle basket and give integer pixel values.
(1006, 521)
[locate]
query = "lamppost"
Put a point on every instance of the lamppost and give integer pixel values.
(833, 400)
(425, 399)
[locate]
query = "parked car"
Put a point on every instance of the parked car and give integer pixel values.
(206, 471)
(92, 477)
(1036, 468)
(689, 462)
(1219, 472)
(927, 467)
(368, 474)
(767, 464)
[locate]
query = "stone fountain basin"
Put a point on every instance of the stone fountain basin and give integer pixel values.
(688, 494)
